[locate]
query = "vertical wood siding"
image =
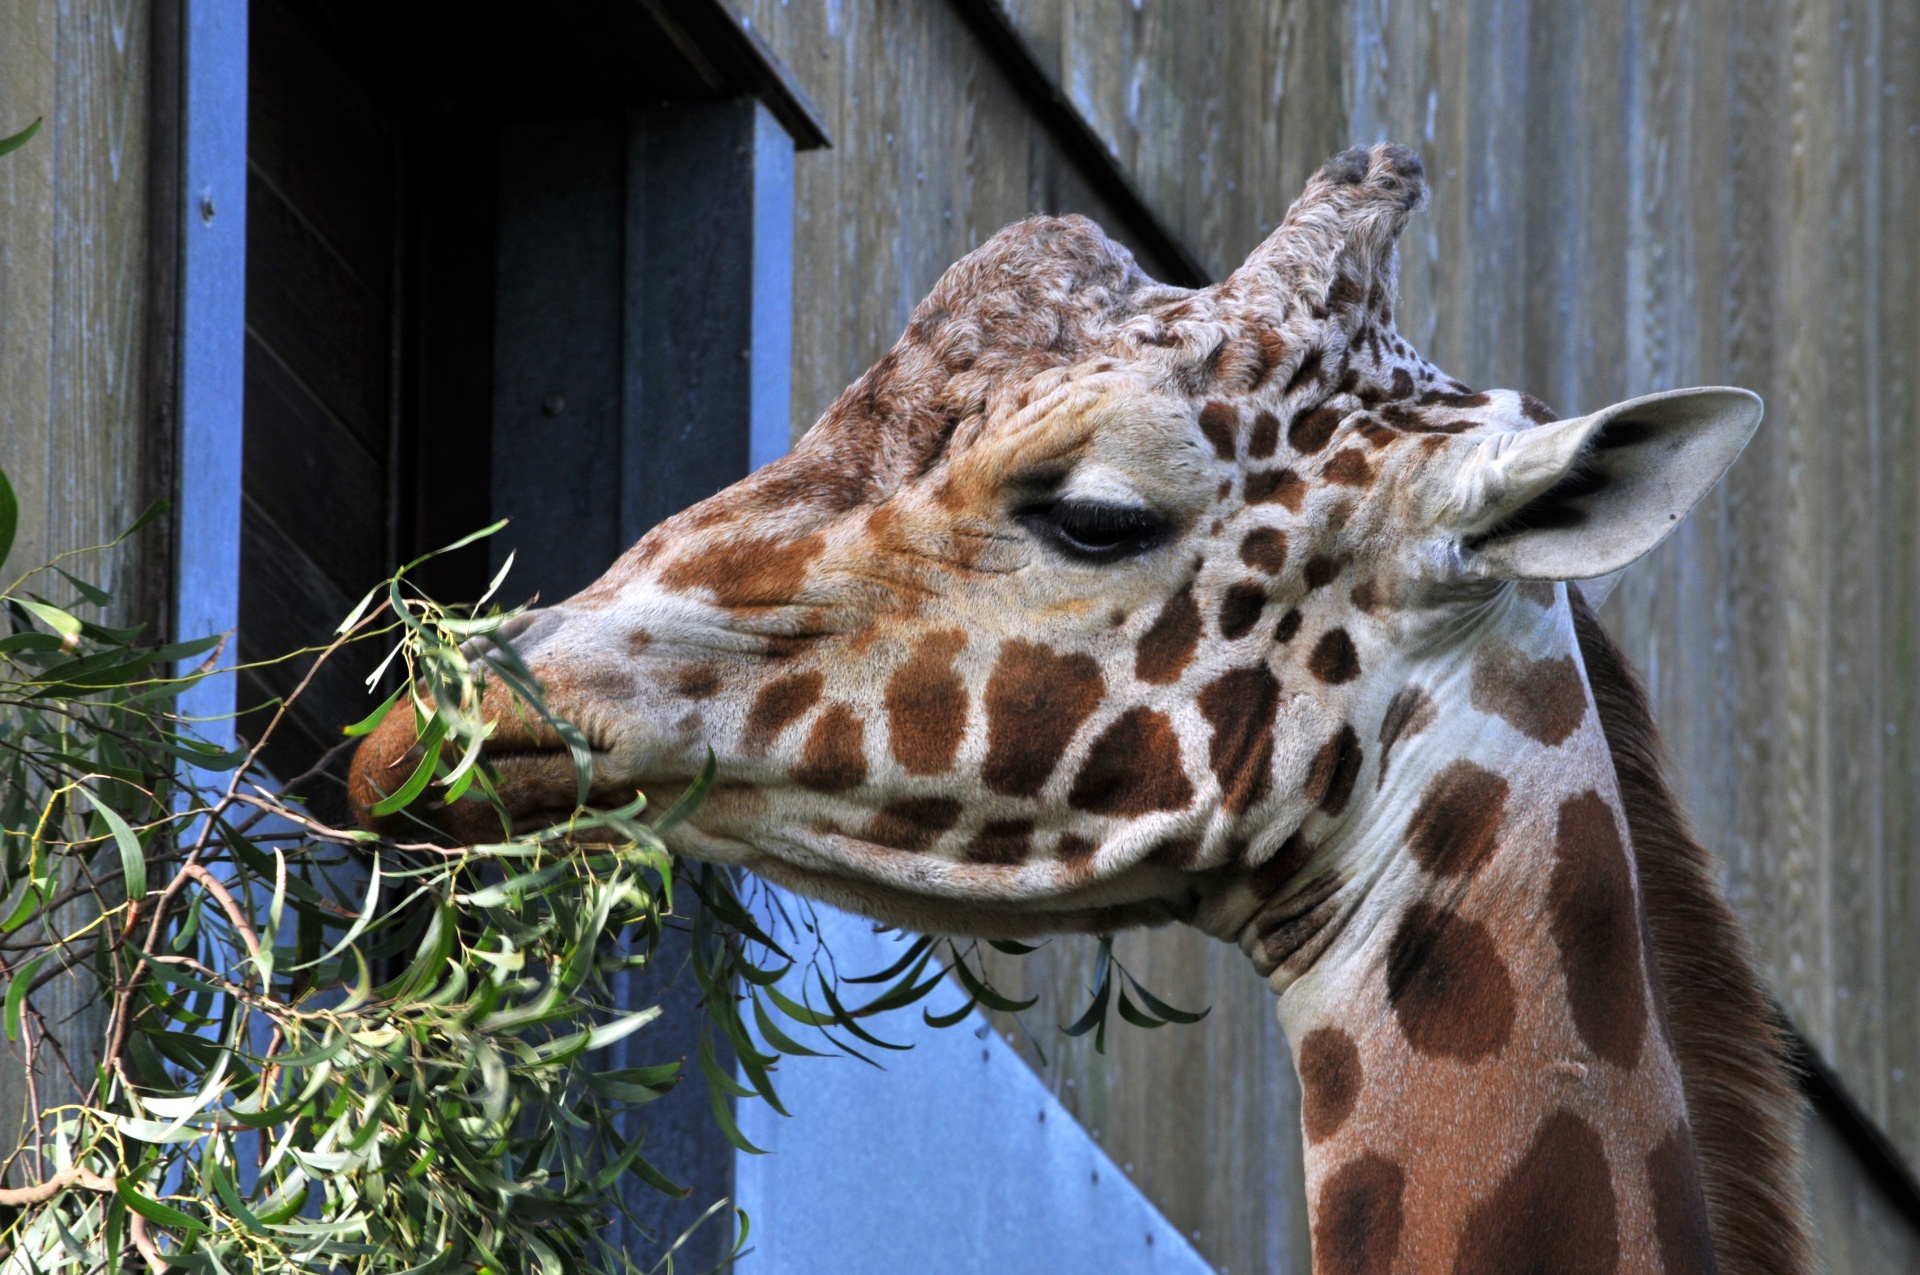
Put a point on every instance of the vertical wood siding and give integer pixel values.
(73, 267)
(74, 419)
(1626, 196)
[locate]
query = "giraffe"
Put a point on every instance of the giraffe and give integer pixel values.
(1099, 603)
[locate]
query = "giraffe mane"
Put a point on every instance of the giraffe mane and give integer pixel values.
(1727, 1035)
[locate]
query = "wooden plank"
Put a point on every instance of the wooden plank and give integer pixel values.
(314, 135)
(1894, 67)
(94, 481)
(333, 332)
(29, 40)
(313, 478)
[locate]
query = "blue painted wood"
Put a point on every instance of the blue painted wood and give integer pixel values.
(955, 1159)
(212, 340)
(771, 359)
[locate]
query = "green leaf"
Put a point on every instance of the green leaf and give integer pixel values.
(154, 1211)
(368, 724)
(91, 593)
(51, 616)
(771, 1033)
(987, 995)
(133, 858)
(1096, 1014)
(17, 992)
(9, 503)
(417, 782)
(894, 970)
(689, 800)
(147, 515)
(948, 1020)
(1131, 1012)
(1160, 1007)
(14, 143)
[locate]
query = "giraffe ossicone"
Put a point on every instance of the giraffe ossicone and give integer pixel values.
(1098, 603)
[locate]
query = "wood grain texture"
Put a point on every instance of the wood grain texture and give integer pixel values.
(1626, 197)
(73, 274)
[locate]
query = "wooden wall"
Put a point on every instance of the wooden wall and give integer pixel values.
(1626, 196)
(78, 437)
(74, 424)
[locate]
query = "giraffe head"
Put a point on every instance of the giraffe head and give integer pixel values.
(1071, 613)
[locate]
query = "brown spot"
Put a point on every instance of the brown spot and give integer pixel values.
(1133, 768)
(1289, 625)
(1221, 424)
(1536, 411)
(1334, 661)
(1459, 396)
(1320, 571)
(1266, 436)
(1679, 1207)
(1376, 433)
(1224, 490)
(1596, 925)
(1177, 853)
(1276, 486)
(1240, 707)
(1456, 827)
(1402, 381)
(1240, 609)
(1329, 1081)
(835, 757)
(1265, 549)
(1348, 468)
(746, 573)
(1167, 646)
(927, 705)
(1073, 850)
(1408, 713)
(1312, 430)
(1448, 986)
(780, 704)
(1356, 1219)
(1542, 699)
(697, 681)
(1309, 370)
(1335, 768)
(1554, 1211)
(638, 640)
(1001, 841)
(1035, 702)
(1539, 592)
(913, 823)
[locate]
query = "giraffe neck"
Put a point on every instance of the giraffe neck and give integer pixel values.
(1488, 1084)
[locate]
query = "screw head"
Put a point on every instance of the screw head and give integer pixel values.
(553, 405)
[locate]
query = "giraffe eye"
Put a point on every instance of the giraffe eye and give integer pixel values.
(1094, 531)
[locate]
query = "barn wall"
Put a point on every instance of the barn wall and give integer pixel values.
(1626, 196)
(73, 281)
(76, 434)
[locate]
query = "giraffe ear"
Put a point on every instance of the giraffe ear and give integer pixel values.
(1580, 498)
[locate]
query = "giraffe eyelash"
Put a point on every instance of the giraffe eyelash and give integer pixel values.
(1094, 531)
